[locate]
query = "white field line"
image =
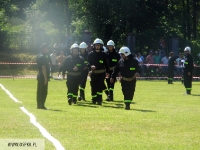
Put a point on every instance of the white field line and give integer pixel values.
(43, 131)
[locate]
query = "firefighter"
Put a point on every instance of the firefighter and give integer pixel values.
(113, 58)
(97, 65)
(73, 64)
(188, 70)
(129, 70)
(105, 88)
(170, 71)
(42, 76)
(197, 66)
(83, 53)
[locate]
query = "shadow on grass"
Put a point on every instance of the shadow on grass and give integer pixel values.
(86, 104)
(56, 110)
(142, 110)
(195, 94)
(112, 104)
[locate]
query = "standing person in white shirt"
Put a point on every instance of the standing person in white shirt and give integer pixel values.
(54, 63)
(164, 61)
(179, 70)
(140, 62)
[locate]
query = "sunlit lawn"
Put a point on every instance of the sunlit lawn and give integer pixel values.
(161, 117)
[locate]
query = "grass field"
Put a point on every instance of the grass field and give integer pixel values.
(161, 117)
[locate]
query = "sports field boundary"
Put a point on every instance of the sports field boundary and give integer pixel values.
(33, 120)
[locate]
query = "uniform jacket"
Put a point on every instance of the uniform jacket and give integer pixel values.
(70, 62)
(42, 60)
(171, 63)
(99, 60)
(127, 68)
(113, 58)
(188, 63)
(85, 57)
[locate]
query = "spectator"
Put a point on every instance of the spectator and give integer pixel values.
(150, 58)
(56, 48)
(140, 60)
(156, 58)
(179, 71)
(61, 59)
(42, 76)
(171, 63)
(164, 61)
(149, 69)
(197, 66)
(54, 63)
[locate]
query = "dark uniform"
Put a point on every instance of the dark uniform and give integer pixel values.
(73, 77)
(113, 58)
(84, 75)
(99, 60)
(188, 67)
(127, 68)
(197, 67)
(171, 68)
(42, 60)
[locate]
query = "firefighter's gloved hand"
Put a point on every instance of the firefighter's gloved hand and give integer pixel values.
(107, 75)
(93, 67)
(90, 72)
(112, 80)
(136, 75)
(75, 68)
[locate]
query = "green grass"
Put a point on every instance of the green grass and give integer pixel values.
(161, 117)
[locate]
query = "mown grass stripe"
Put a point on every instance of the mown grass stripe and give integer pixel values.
(44, 132)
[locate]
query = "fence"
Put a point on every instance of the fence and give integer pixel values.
(149, 71)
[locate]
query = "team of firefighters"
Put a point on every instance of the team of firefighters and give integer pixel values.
(104, 64)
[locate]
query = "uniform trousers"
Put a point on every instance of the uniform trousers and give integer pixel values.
(72, 86)
(128, 89)
(41, 93)
(187, 82)
(97, 81)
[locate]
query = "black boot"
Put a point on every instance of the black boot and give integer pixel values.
(99, 99)
(74, 100)
(111, 95)
(94, 100)
(188, 92)
(80, 97)
(38, 105)
(107, 94)
(127, 107)
(70, 100)
(82, 94)
(168, 81)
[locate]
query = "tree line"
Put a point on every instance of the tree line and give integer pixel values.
(148, 20)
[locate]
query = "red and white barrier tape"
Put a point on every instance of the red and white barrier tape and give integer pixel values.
(34, 63)
(9, 63)
(34, 77)
(25, 77)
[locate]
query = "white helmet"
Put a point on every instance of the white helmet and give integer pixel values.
(83, 45)
(98, 41)
(74, 46)
(125, 50)
(105, 49)
(187, 49)
(110, 43)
